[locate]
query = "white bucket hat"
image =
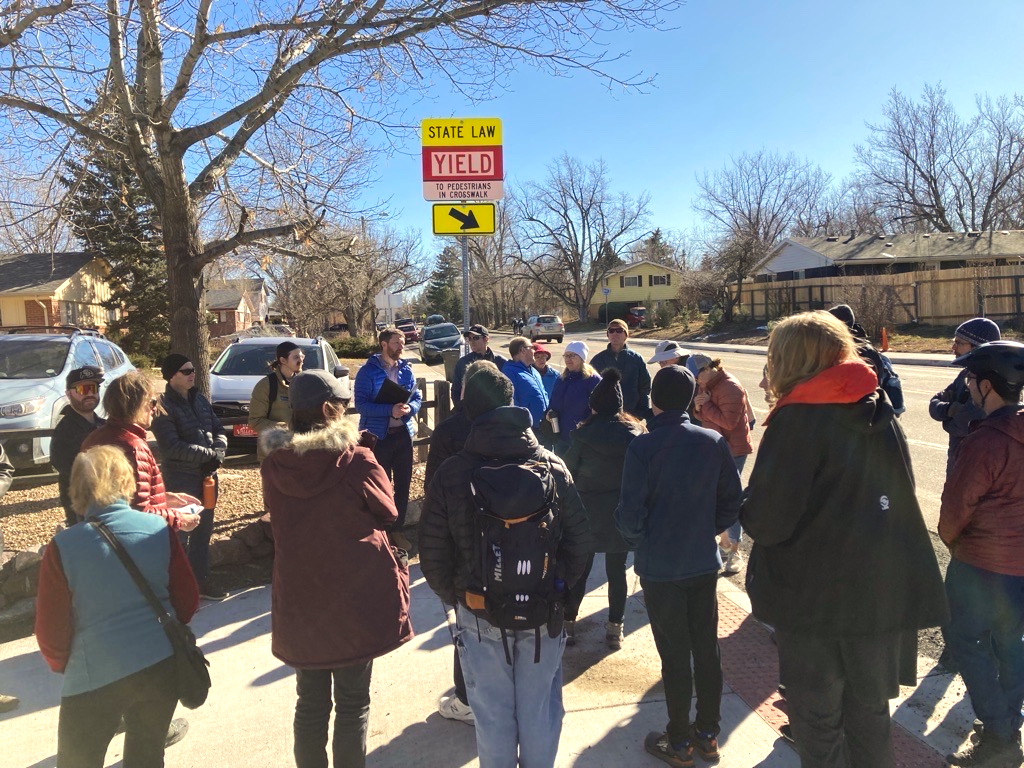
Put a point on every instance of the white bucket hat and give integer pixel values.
(667, 350)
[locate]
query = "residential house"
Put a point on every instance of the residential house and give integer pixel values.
(230, 309)
(642, 283)
(54, 289)
(802, 258)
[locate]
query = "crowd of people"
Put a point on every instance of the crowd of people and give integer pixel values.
(535, 472)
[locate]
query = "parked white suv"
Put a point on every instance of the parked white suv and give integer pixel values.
(548, 327)
(243, 363)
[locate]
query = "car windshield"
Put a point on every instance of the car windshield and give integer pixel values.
(440, 331)
(405, 324)
(255, 359)
(22, 358)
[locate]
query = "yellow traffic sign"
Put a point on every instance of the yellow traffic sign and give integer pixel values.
(462, 132)
(475, 219)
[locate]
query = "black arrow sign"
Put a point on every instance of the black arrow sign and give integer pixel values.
(468, 219)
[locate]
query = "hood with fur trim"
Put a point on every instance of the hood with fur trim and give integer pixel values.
(305, 465)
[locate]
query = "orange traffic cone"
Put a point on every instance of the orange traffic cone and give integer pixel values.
(885, 341)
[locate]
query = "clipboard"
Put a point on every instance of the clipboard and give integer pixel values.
(391, 393)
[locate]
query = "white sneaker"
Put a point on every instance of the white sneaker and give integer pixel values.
(453, 709)
(733, 563)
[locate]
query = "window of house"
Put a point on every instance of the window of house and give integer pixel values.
(659, 279)
(631, 281)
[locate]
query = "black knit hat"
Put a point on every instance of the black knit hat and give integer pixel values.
(284, 349)
(844, 312)
(606, 399)
(171, 365)
(486, 390)
(672, 389)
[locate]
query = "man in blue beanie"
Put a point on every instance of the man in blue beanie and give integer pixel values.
(952, 406)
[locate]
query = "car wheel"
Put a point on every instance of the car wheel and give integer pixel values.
(559, 340)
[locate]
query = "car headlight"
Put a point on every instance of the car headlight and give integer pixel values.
(24, 408)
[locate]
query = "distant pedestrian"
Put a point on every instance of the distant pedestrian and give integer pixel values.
(340, 596)
(526, 381)
(192, 448)
(477, 336)
(680, 490)
(96, 628)
(269, 406)
(831, 499)
(78, 419)
(982, 523)
(953, 405)
(636, 381)
(570, 397)
(595, 458)
(391, 419)
(514, 675)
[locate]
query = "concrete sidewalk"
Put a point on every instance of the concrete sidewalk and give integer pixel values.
(612, 699)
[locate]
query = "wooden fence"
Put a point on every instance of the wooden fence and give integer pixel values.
(940, 297)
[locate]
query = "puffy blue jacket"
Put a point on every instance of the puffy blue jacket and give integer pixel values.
(680, 488)
(529, 389)
(549, 377)
(570, 399)
(374, 417)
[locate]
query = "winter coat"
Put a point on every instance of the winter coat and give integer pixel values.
(448, 439)
(190, 436)
(548, 378)
(263, 414)
(953, 407)
(375, 417)
(449, 539)
(982, 513)
(529, 389)
(150, 494)
(727, 412)
(680, 489)
(570, 399)
(339, 596)
(840, 546)
(68, 435)
(92, 623)
(595, 459)
(636, 379)
(464, 362)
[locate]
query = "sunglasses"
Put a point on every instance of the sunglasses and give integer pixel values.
(615, 330)
(86, 388)
(154, 402)
(187, 371)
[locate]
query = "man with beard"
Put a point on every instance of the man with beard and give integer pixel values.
(78, 420)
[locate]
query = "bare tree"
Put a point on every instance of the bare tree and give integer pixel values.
(750, 205)
(17, 18)
(571, 229)
(238, 114)
(932, 169)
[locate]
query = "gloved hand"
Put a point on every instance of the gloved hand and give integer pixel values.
(209, 467)
(222, 454)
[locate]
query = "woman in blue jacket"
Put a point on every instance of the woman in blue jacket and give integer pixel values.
(570, 398)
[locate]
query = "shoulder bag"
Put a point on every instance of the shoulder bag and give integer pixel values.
(192, 668)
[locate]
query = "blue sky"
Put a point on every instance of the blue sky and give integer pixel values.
(789, 75)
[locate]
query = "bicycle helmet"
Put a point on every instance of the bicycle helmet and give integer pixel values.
(1003, 358)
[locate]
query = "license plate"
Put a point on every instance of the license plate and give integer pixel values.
(244, 430)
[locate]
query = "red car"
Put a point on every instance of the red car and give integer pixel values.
(635, 317)
(408, 327)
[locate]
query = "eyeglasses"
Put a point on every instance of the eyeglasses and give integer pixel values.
(971, 377)
(86, 388)
(615, 330)
(187, 371)
(154, 402)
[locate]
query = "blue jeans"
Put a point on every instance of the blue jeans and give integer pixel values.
(518, 707)
(736, 531)
(985, 635)
(313, 714)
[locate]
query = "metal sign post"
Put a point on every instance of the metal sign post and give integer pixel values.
(465, 283)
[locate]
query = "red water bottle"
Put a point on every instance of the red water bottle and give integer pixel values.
(209, 492)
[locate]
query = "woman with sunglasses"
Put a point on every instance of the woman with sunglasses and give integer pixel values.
(192, 447)
(130, 403)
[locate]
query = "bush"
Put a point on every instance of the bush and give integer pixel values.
(664, 314)
(355, 347)
(714, 318)
(142, 362)
(616, 311)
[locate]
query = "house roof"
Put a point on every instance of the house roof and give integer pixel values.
(931, 247)
(223, 298)
(39, 273)
(642, 263)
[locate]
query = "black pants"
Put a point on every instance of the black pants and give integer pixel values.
(351, 704)
(196, 544)
(394, 454)
(684, 622)
(88, 721)
(838, 693)
(615, 570)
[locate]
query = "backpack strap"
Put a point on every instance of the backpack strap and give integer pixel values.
(273, 391)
